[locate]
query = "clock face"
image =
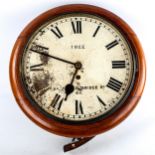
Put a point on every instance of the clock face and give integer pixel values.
(77, 67)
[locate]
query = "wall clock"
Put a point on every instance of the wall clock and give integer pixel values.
(77, 71)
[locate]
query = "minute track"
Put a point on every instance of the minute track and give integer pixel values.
(94, 90)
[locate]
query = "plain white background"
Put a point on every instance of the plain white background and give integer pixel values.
(20, 136)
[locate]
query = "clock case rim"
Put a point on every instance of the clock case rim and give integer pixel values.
(84, 129)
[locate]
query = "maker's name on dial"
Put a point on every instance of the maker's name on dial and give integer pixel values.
(80, 88)
(95, 87)
(79, 46)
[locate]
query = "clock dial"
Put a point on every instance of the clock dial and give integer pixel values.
(77, 67)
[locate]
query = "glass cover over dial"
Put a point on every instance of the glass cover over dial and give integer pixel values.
(77, 67)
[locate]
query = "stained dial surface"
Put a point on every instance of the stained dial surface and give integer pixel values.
(77, 67)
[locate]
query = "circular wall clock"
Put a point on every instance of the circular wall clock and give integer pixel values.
(77, 71)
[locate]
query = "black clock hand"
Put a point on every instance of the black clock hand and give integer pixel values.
(69, 87)
(54, 57)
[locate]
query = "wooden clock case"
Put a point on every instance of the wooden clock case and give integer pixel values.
(75, 130)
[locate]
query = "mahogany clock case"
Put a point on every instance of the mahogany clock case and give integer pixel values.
(84, 129)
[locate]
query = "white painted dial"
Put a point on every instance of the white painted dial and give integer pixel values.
(77, 67)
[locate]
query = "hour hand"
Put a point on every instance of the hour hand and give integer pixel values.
(69, 87)
(68, 90)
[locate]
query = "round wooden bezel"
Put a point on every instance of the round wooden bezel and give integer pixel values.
(75, 130)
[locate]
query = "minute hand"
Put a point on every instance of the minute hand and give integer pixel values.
(54, 57)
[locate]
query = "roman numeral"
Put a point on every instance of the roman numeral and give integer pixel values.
(43, 91)
(97, 29)
(78, 107)
(77, 26)
(56, 31)
(57, 102)
(37, 67)
(101, 101)
(39, 48)
(118, 64)
(112, 44)
(114, 84)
